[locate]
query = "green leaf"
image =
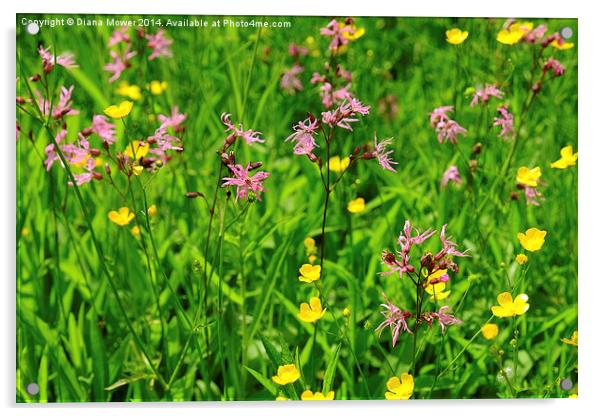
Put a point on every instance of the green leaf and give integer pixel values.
(331, 371)
(263, 381)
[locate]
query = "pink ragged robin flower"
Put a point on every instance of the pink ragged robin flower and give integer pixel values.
(63, 107)
(174, 120)
(451, 174)
(65, 60)
(395, 319)
(119, 35)
(244, 182)
(448, 246)
(505, 121)
(290, 82)
(87, 175)
(394, 265)
(484, 94)
(444, 318)
(249, 136)
(536, 35)
(295, 50)
(382, 154)
(159, 44)
(337, 32)
(104, 129)
(303, 136)
(533, 196)
(446, 128)
(50, 150)
(164, 142)
(439, 114)
(344, 113)
(556, 67)
(120, 63)
(449, 131)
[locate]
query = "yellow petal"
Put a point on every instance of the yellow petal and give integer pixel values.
(504, 299)
(501, 312)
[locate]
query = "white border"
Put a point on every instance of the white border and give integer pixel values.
(590, 230)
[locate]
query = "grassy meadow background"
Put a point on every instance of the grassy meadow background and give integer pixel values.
(72, 337)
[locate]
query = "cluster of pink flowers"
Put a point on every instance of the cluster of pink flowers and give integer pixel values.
(78, 154)
(241, 179)
(446, 128)
(159, 44)
(556, 67)
(505, 121)
(49, 60)
(336, 31)
(122, 53)
(290, 81)
(451, 174)
(303, 137)
(60, 109)
(397, 319)
(330, 95)
(483, 94)
(399, 263)
(409, 237)
(345, 113)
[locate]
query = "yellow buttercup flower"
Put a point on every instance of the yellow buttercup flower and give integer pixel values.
(567, 158)
(130, 91)
(152, 210)
(286, 374)
(528, 177)
(346, 312)
(455, 36)
(136, 149)
(532, 239)
(311, 312)
(490, 331)
(573, 340)
(437, 290)
(357, 33)
(562, 46)
(308, 395)
(400, 389)
(119, 111)
(121, 217)
(281, 398)
(522, 258)
(157, 87)
(138, 170)
(514, 33)
(509, 307)
(309, 273)
(356, 206)
(337, 164)
(135, 231)
(310, 244)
